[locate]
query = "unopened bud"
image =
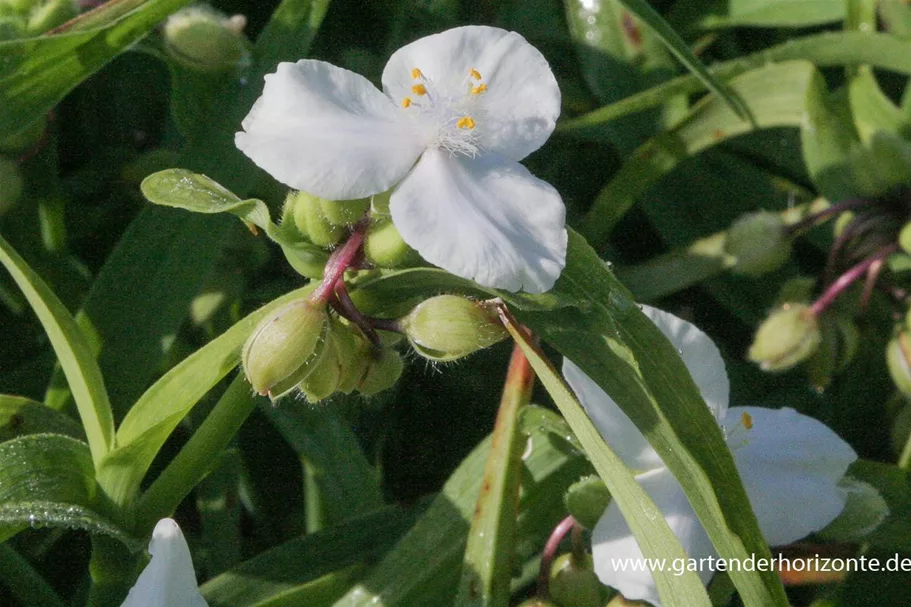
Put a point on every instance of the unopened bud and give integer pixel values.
(575, 583)
(285, 348)
(787, 337)
(10, 184)
(448, 327)
(759, 242)
(384, 246)
(204, 39)
(310, 220)
(898, 359)
(586, 500)
(344, 212)
(536, 602)
(382, 372)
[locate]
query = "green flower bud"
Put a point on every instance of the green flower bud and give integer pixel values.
(448, 327)
(384, 246)
(382, 373)
(353, 356)
(574, 583)
(536, 602)
(898, 359)
(344, 212)
(759, 242)
(203, 39)
(10, 184)
(45, 16)
(285, 348)
(379, 203)
(586, 500)
(323, 381)
(310, 220)
(788, 336)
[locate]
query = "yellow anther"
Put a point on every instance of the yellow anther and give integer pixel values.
(474, 74)
(477, 90)
(747, 420)
(416, 73)
(465, 122)
(419, 89)
(406, 102)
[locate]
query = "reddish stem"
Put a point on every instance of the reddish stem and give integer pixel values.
(848, 278)
(550, 551)
(341, 259)
(810, 220)
(344, 306)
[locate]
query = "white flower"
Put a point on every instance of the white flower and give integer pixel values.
(168, 580)
(458, 111)
(790, 465)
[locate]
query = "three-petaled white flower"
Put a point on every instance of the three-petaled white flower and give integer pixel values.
(460, 109)
(168, 580)
(790, 465)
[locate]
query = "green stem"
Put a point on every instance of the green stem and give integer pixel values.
(23, 582)
(314, 512)
(904, 460)
(196, 459)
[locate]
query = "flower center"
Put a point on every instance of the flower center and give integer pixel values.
(453, 120)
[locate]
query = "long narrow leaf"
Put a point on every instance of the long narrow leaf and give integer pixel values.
(73, 352)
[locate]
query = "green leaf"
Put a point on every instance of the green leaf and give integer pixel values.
(314, 570)
(645, 520)
(73, 352)
(423, 568)
(627, 356)
(158, 411)
(776, 97)
(24, 583)
(20, 416)
(487, 565)
(718, 14)
(347, 485)
(824, 50)
(36, 73)
(191, 191)
(49, 480)
(678, 47)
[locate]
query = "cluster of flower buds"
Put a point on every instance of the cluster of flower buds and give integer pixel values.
(303, 348)
(27, 18)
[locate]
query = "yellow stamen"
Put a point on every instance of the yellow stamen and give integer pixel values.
(477, 90)
(747, 420)
(465, 122)
(418, 89)
(406, 102)
(474, 74)
(416, 73)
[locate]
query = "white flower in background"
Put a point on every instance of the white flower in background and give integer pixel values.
(790, 465)
(168, 580)
(458, 111)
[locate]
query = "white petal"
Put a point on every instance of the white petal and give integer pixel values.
(613, 424)
(169, 578)
(520, 107)
(486, 219)
(613, 544)
(790, 465)
(701, 356)
(329, 132)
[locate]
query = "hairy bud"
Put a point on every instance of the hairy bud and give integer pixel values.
(787, 337)
(448, 327)
(759, 243)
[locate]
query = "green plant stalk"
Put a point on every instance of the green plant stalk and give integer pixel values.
(24, 583)
(197, 458)
(487, 566)
(314, 509)
(904, 460)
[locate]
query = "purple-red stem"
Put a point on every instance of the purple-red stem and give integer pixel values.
(550, 551)
(811, 220)
(344, 306)
(848, 278)
(340, 260)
